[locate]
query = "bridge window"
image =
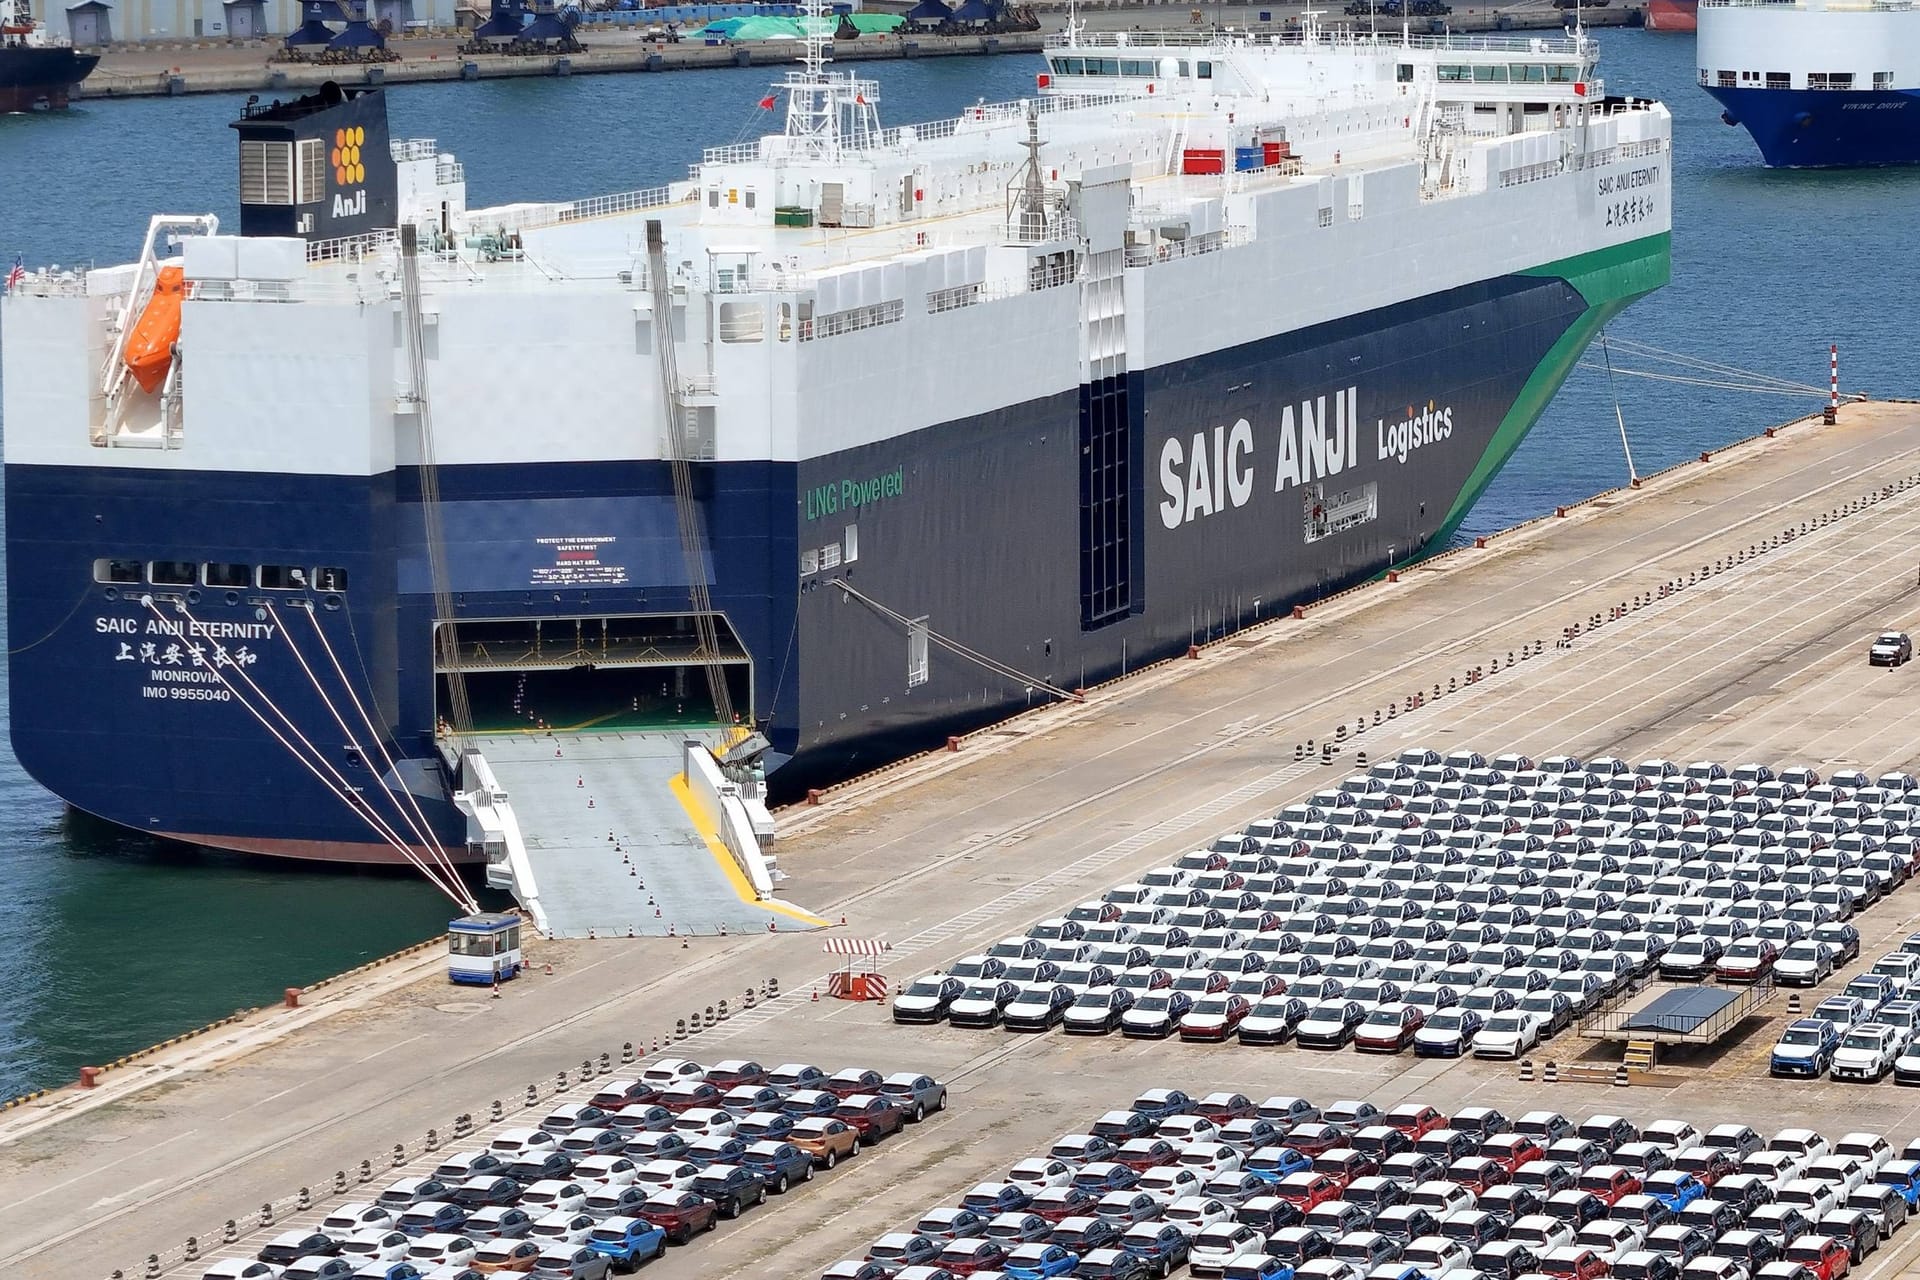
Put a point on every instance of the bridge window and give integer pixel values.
(1454, 72)
(1563, 73)
(226, 575)
(1490, 75)
(1070, 66)
(1404, 73)
(1137, 67)
(120, 571)
(1206, 70)
(173, 573)
(1527, 73)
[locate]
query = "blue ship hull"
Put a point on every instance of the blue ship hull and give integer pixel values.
(1071, 538)
(1819, 129)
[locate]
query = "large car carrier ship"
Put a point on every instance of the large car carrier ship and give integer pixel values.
(857, 436)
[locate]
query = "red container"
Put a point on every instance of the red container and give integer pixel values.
(1197, 161)
(1275, 151)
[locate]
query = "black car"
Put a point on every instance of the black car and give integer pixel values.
(731, 1188)
(484, 1192)
(1504, 1259)
(540, 1168)
(1330, 1025)
(1692, 959)
(284, 1249)
(928, 998)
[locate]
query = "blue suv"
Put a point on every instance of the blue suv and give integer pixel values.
(1805, 1049)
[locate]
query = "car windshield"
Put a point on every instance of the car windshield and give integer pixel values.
(1505, 1022)
(1445, 1021)
(923, 989)
(1800, 1037)
(1861, 1040)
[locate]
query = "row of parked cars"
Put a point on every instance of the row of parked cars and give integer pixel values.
(1866, 1032)
(1454, 904)
(606, 1184)
(1285, 1190)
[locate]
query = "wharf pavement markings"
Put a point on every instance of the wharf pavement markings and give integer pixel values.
(109, 1187)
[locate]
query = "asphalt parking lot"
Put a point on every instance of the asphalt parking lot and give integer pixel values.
(1761, 658)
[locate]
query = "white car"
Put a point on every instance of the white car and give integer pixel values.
(1815, 1199)
(1188, 1128)
(1846, 1172)
(1507, 1035)
(1866, 1052)
(442, 1250)
(356, 1215)
(1677, 1135)
(376, 1246)
(556, 1195)
(1437, 1255)
(517, 1144)
(241, 1269)
(1037, 1174)
(615, 1170)
(1541, 1233)
(656, 1176)
(556, 1229)
(672, 1071)
(1803, 963)
(1870, 1149)
(1807, 1144)
(1777, 1167)
(1194, 1214)
(1612, 1240)
(1222, 1243)
(1169, 1183)
(1211, 1158)
(705, 1122)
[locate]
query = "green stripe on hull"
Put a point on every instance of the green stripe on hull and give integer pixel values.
(1609, 279)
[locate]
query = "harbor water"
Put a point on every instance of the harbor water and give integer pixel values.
(114, 941)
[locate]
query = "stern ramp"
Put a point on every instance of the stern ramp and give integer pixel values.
(618, 833)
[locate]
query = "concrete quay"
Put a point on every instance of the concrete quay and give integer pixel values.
(1789, 552)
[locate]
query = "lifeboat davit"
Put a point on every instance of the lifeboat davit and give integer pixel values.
(150, 345)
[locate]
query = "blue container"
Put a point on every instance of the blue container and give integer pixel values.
(1249, 158)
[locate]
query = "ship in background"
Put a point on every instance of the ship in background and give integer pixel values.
(38, 71)
(858, 436)
(1672, 15)
(1818, 85)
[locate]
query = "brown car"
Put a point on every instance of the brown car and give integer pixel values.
(506, 1255)
(680, 1214)
(826, 1139)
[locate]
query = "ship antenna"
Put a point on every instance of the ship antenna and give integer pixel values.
(1073, 23)
(812, 117)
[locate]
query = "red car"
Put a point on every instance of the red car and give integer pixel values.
(844, 1084)
(1214, 1018)
(1610, 1182)
(1513, 1150)
(680, 1214)
(735, 1072)
(872, 1116)
(1312, 1138)
(1709, 1165)
(1222, 1107)
(1747, 960)
(1307, 1189)
(624, 1093)
(1478, 1174)
(1141, 1154)
(1575, 1262)
(964, 1257)
(1389, 1029)
(1057, 1204)
(1825, 1256)
(1344, 1164)
(1414, 1119)
(685, 1095)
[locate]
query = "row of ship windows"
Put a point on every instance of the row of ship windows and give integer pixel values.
(1784, 80)
(1147, 67)
(1513, 73)
(188, 573)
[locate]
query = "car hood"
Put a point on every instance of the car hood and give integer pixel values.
(1856, 1055)
(1796, 1051)
(916, 1002)
(1437, 1035)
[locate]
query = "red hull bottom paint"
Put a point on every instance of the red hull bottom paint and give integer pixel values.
(31, 98)
(366, 855)
(1673, 15)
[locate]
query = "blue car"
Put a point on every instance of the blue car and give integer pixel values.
(1162, 1104)
(628, 1241)
(1272, 1164)
(1903, 1176)
(1675, 1188)
(1159, 1244)
(1039, 1261)
(779, 1164)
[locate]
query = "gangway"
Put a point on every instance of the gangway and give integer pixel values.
(621, 832)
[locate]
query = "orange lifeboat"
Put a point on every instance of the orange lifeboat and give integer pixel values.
(150, 345)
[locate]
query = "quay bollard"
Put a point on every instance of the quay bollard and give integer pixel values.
(586, 1070)
(266, 1214)
(1552, 1073)
(1299, 752)
(1361, 760)
(626, 1054)
(1526, 1071)
(499, 1111)
(1793, 1005)
(773, 988)
(679, 1028)
(153, 1266)
(749, 998)
(533, 1095)
(723, 1011)
(433, 1143)
(339, 1182)
(231, 1232)
(305, 1201)
(192, 1253)
(1340, 733)
(560, 1082)
(1620, 1077)
(399, 1155)
(366, 1171)
(606, 1063)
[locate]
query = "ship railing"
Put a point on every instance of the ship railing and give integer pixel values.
(1525, 173)
(404, 149)
(54, 282)
(371, 244)
(1335, 37)
(734, 153)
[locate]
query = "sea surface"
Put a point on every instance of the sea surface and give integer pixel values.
(110, 941)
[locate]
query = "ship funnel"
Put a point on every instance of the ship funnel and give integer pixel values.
(318, 167)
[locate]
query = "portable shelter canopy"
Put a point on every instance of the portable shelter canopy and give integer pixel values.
(859, 979)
